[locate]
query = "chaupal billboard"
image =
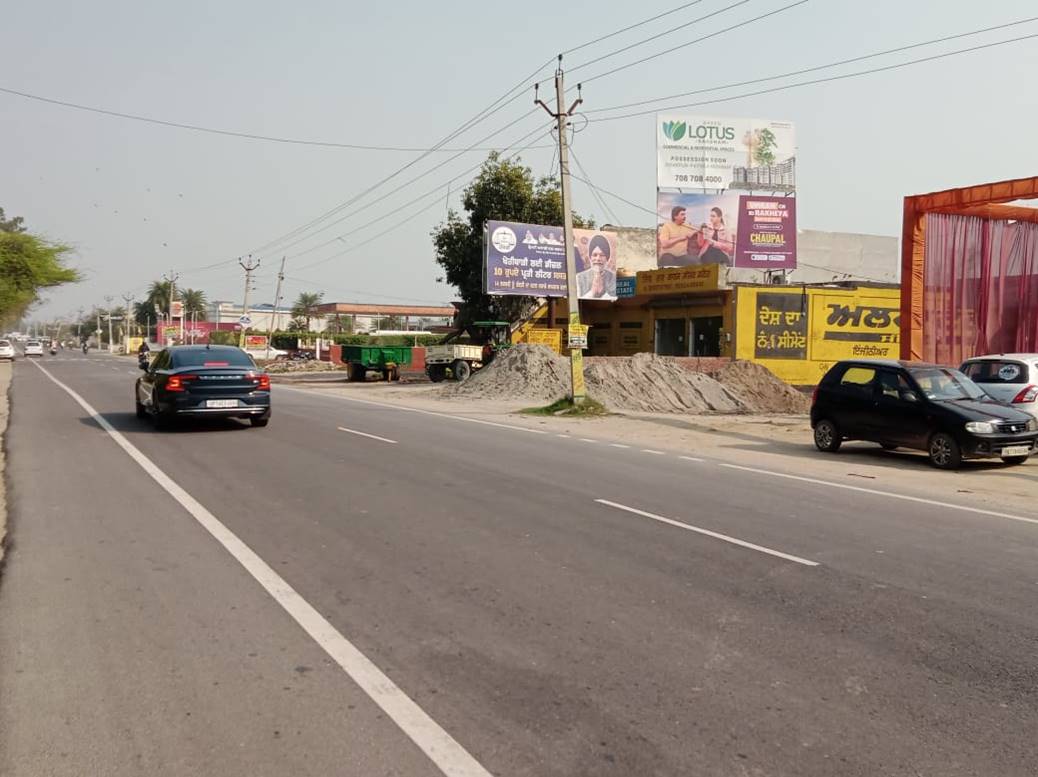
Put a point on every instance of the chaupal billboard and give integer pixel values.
(530, 260)
(709, 152)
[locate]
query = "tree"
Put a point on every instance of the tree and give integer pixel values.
(194, 303)
(339, 325)
(156, 298)
(14, 224)
(305, 307)
(29, 264)
(504, 191)
(298, 325)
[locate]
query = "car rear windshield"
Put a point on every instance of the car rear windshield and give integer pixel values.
(944, 383)
(997, 371)
(4, 344)
(203, 357)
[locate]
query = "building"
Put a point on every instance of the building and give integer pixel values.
(365, 317)
(264, 316)
(841, 301)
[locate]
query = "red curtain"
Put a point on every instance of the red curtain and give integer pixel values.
(980, 288)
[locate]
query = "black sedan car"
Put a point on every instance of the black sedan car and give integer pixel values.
(203, 380)
(922, 406)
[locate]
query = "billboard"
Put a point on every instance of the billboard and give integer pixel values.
(696, 229)
(767, 233)
(710, 152)
(530, 260)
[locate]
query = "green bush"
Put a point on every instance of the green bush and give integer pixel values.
(224, 337)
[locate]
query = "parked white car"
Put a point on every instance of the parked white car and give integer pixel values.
(1011, 378)
(34, 348)
(6, 350)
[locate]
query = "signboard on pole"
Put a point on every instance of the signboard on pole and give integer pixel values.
(710, 152)
(176, 309)
(577, 336)
(244, 321)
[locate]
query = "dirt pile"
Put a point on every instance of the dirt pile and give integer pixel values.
(760, 389)
(283, 366)
(642, 383)
(524, 372)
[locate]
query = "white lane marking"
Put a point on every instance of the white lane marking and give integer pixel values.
(406, 409)
(618, 445)
(691, 458)
(654, 453)
(365, 434)
(442, 749)
(586, 439)
(891, 494)
(566, 436)
(708, 533)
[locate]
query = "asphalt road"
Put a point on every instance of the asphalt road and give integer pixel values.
(553, 606)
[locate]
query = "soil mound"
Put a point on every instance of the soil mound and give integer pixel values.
(760, 389)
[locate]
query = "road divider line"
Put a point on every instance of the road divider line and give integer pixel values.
(406, 409)
(691, 458)
(654, 453)
(586, 439)
(441, 748)
(708, 533)
(618, 445)
(890, 494)
(365, 434)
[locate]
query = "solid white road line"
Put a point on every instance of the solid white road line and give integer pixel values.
(365, 434)
(442, 749)
(890, 494)
(405, 409)
(708, 533)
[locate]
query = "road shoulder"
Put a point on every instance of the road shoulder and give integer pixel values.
(6, 368)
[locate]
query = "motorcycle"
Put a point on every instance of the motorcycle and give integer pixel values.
(53, 351)
(85, 348)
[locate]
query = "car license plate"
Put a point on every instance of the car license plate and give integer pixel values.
(1016, 450)
(221, 403)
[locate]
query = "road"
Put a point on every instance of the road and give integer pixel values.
(362, 590)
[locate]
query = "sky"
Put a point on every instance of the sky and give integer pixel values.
(137, 200)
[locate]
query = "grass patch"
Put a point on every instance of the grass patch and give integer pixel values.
(565, 407)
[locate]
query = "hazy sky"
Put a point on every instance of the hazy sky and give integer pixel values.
(138, 199)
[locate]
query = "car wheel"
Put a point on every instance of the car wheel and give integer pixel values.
(1013, 461)
(260, 422)
(437, 372)
(888, 446)
(827, 436)
(142, 412)
(944, 451)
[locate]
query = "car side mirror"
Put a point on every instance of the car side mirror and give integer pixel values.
(909, 396)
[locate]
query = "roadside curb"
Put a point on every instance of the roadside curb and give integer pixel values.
(6, 371)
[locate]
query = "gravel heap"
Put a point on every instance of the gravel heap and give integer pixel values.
(643, 382)
(760, 389)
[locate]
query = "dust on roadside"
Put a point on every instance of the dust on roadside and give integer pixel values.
(5, 385)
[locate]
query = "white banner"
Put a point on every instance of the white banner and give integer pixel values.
(708, 152)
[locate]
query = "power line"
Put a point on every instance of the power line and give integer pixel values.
(828, 79)
(632, 26)
(324, 285)
(692, 42)
(816, 68)
(228, 133)
(616, 196)
(594, 191)
(658, 35)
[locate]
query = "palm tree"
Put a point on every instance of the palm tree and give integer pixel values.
(305, 307)
(194, 303)
(158, 297)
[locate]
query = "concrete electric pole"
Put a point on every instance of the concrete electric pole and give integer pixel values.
(249, 267)
(172, 279)
(272, 326)
(577, 331)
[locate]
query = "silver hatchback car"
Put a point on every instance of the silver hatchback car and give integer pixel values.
(1011, 378)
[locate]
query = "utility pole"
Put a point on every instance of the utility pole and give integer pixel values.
(561, 116)
(172, 279)
(128, 299)
(249, 268)
(272, 326)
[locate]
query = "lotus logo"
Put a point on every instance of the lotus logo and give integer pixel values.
(674, 130)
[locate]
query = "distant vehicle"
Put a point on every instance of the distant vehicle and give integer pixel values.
(460, 360)
(1011, 378)
(6, 350)
(34, 348)
(922, 406)
(203, 380)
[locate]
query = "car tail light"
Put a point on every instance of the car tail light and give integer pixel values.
(814, 395)
(1029, 394)
(263, 382)
(176, 382)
